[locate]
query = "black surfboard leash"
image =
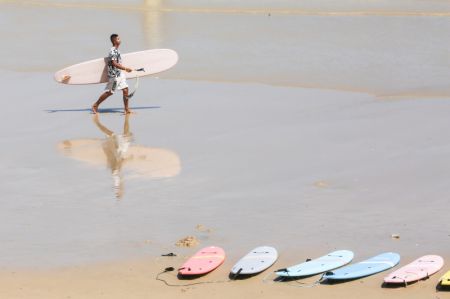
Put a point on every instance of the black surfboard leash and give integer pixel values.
(170, 269)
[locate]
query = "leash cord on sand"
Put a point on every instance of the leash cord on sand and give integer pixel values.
(298, 284)
(265, 281)
(170, 269)
(304, 285)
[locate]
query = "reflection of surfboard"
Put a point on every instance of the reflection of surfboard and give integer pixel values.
(376, 264)
(204, 261)
(324, 263)
(419, 269)
(257, 260)
(146, 162)
(95, 71)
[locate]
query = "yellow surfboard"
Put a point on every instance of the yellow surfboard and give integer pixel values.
(445, 279)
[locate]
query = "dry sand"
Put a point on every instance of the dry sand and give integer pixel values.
(322, 126)
(136, 279)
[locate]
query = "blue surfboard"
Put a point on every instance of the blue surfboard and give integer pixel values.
(368, 267)
(322, 264)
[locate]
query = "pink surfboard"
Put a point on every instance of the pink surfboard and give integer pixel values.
(204, 261)
(95, 71)
(419, 269)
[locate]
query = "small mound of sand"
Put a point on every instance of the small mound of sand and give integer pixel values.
(189, 241)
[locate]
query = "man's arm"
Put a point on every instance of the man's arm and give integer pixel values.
(119, 66)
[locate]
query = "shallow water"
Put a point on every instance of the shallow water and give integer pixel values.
(308, 46)
(305, 170)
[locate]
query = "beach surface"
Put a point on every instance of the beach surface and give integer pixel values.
(308, 127)
(136, 279)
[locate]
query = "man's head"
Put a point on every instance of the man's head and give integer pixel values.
(115, 39)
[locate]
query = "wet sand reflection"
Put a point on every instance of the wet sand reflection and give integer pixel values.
(152, 23)
(117, 152)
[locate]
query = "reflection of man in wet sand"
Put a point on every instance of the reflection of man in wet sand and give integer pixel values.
(117, 152)
(115, 147)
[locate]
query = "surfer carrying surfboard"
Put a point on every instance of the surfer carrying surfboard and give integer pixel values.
(116, 77)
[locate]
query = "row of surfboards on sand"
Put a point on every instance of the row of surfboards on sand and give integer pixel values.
(334, 266)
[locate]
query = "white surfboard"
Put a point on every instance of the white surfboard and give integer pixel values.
(257, 260)
(95, 71)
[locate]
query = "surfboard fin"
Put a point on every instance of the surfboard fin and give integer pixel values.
(237, 274)
(65, 78)
(169, 254)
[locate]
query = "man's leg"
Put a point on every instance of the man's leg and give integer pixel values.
(125, 100)
(103, 97)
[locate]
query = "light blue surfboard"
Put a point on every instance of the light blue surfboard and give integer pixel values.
(368, 267)
(322, 264)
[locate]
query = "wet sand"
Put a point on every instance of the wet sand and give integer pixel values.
(334, 139)
(345, 45)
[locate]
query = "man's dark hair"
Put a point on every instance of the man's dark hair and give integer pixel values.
(113, 37)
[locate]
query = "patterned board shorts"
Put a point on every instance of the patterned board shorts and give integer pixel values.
(118, 83)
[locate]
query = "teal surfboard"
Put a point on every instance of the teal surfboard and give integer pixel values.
(368, 267)
(322, 264)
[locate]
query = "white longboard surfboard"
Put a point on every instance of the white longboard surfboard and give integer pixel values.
(95, 71)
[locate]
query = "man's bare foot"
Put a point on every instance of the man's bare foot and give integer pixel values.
(94, 109)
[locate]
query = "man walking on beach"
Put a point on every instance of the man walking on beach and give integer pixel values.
(117, 78)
